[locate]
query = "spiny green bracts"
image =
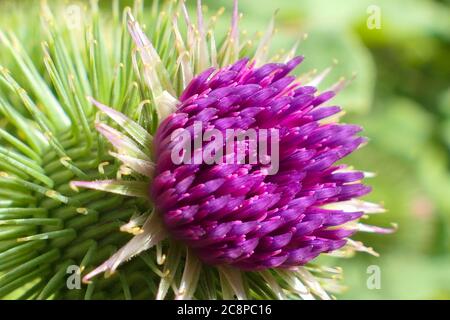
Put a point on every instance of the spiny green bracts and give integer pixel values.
(55, 143)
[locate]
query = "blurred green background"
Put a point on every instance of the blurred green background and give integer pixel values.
(401, 95)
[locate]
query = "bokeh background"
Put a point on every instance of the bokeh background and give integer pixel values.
(401, 95)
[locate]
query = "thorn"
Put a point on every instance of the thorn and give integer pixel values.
(51, 193)
(83, 211)
(65, 161)
(73, 187)
(101, 167)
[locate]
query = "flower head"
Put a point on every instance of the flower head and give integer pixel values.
(239, 214)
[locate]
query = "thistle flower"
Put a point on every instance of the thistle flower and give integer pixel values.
(239, 214)
(253, 235)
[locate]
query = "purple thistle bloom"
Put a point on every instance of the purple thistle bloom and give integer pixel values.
(234, 211)
(237, 214)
